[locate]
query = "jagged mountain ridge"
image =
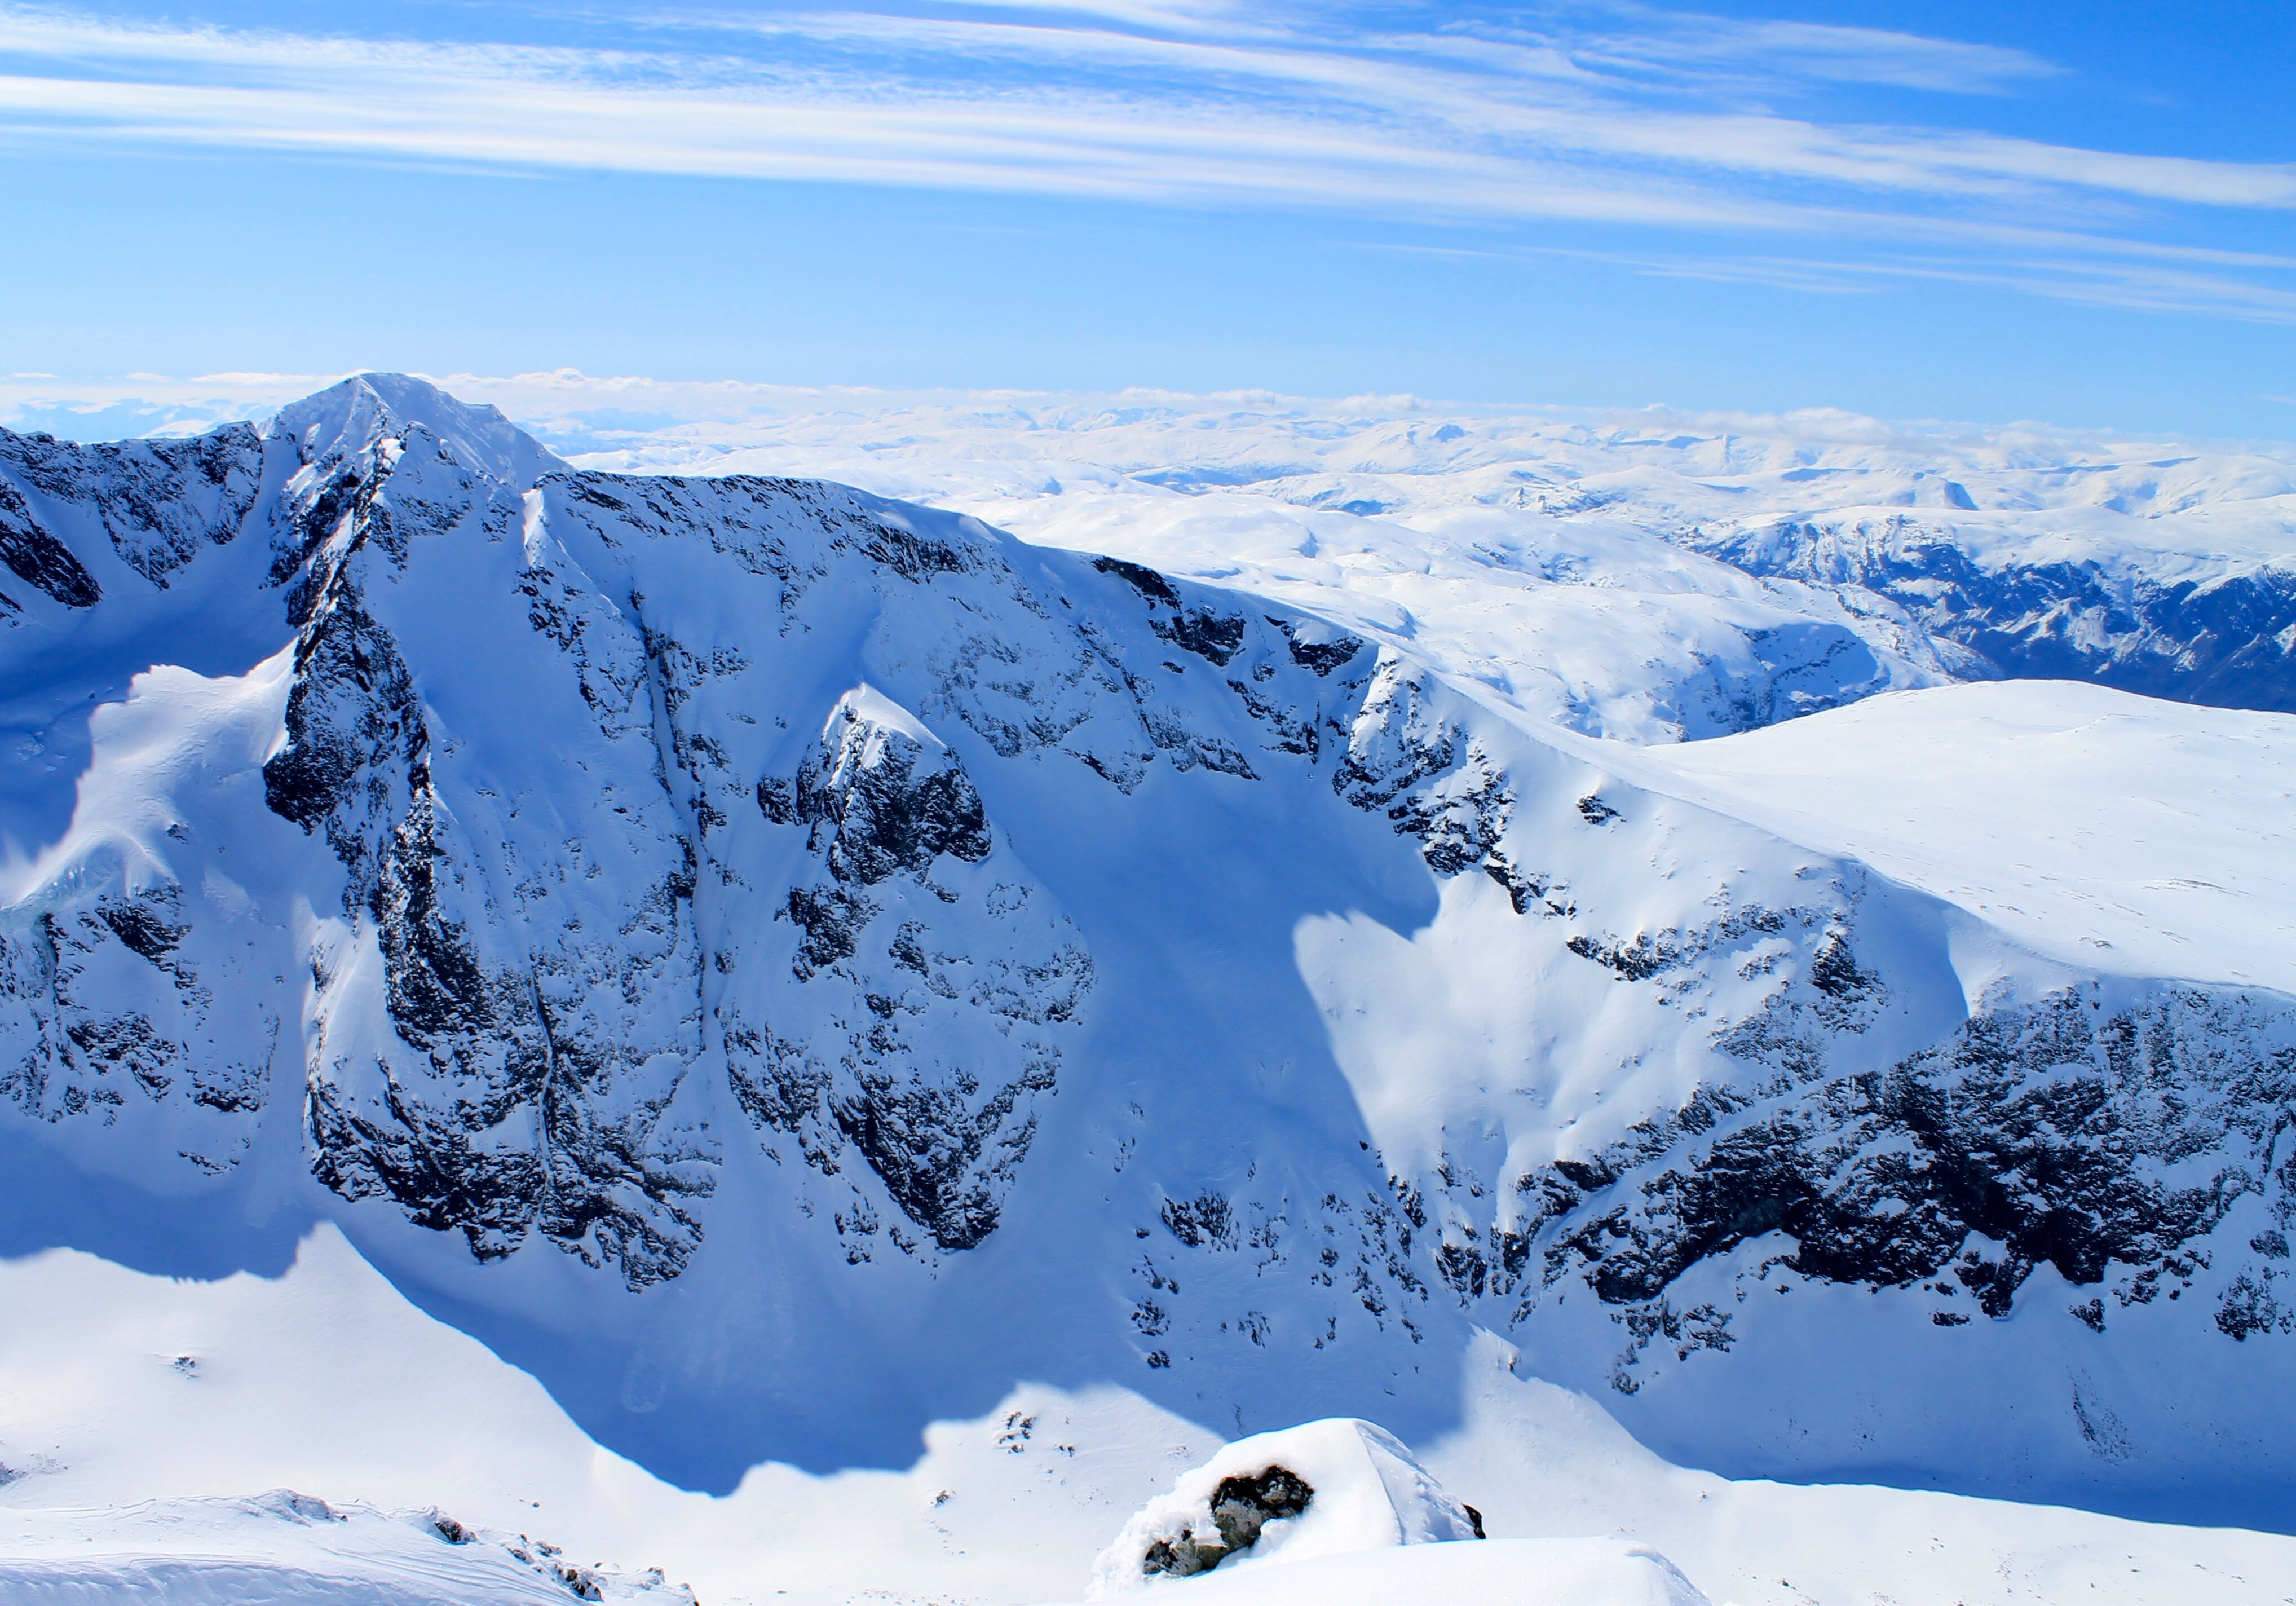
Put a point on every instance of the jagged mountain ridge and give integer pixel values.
(781, 963)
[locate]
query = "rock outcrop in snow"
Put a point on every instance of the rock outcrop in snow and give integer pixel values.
(1324, 1489)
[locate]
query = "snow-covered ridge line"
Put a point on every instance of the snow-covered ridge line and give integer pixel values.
(1945, 551)
(781, 963)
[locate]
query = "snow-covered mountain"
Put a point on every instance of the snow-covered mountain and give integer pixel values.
(783, 965)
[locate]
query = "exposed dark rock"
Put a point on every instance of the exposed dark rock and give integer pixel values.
(1199, 1221)
(1433, 783)
(352, 718)
(1215, 636)
(1146, 581)
(38, 558)
(832, 919)
(432, 1167)
(1241, 1507)
(159, 501)
(89, 1040)
(2249, 1307)
(872, 816)
(777, 800)
(882, 808)
(1834, 970)
(906, 553)
(927, 1143)
(2085, 1141)
(145, 922)
(232, 1088)
(1648, 953)
(447, 1173)
(1212, 636)
(881, 818)
(1320, 658)
(920, 1017)
(510, 1136)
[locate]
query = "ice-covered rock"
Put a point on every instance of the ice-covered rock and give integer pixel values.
(1324, 1488)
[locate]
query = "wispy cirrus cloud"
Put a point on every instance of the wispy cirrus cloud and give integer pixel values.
(1730, 50)
(1632, 116)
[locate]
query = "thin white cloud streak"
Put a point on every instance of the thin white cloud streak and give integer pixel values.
(1417, 103)
(2141, 287)
(1716, 46)
(1073, 150)
(1424, 79)
(1214, 105)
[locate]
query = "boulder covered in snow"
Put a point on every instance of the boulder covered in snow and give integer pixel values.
(1323, 1488)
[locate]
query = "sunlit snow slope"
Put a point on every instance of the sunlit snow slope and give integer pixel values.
(782, 966)
(2110, 830)
(312, 1437)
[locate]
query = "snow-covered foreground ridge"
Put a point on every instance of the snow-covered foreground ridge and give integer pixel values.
(782, 966)
(313, 1437)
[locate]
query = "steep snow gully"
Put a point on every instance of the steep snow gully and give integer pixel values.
(781, 965)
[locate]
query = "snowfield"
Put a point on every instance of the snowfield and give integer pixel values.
(2107, 831)
(559, 1021)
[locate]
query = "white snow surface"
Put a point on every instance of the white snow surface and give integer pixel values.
(2108, 831)
(282, 1548)
(1502, 1572)
(298, 1438)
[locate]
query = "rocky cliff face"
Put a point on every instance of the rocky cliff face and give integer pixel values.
(881, 959)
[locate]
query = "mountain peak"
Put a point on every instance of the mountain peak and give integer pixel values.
(352, 416)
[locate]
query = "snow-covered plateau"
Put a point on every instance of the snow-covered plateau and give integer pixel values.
(582, 1007)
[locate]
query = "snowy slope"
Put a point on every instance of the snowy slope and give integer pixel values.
(784, 966)
(282, 1547)
(2168, 838)
(209, 1438)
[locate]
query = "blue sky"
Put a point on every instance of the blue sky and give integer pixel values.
(2083, 213)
